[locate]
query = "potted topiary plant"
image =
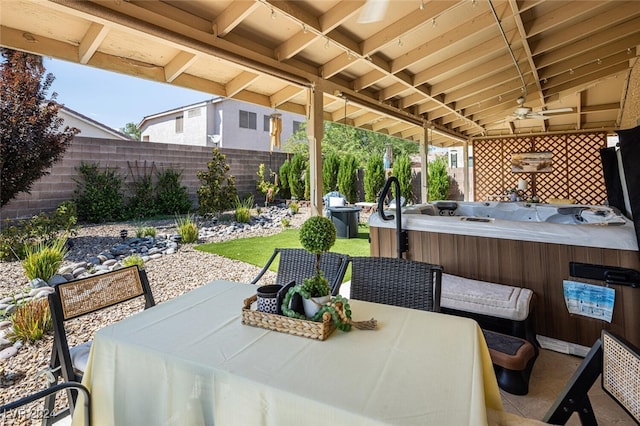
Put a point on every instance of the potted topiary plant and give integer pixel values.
(317, 235)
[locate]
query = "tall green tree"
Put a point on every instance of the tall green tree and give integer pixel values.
(296, 176)
(402, 171)
(330, 167)
(438, 179)
(30, 137)
(131, 130)
(373, 178)
(347, 177)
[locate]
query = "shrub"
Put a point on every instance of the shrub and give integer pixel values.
(268, 188)
(347, 177)
(146, 231)
(41, 228)
(285, 223)
(296, 172)
(217, 190)
(243, 209)
(133, 259)
(283, 177)
(294, 207)
(30, 321)
(373, 178)
(187, 228)
(402, 171)
(171, 196)
(438, 179)
(99, 194)
(307, 183)
(330, 168)
(143, 202)
(43, 260)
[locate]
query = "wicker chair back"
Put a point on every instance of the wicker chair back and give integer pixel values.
(397, 282)
(296, 264)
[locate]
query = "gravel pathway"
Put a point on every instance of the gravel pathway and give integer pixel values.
(170, 276)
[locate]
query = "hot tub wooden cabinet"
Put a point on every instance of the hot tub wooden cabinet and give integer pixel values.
(528, 252)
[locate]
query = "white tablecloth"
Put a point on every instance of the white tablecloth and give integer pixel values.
(190, 361)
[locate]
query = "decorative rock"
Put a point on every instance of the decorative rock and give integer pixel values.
(37, 283)
(7, 353)
(156, 256)
(4, 324)
(9, 310)
(43, 293)
(57, 279)
(77, 272)
(36, 291)
(110, 262)
(169, 251)
(94, 260)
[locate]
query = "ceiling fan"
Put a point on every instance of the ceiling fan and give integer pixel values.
(523, 112)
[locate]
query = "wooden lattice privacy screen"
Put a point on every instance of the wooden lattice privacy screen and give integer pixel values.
(577, 169)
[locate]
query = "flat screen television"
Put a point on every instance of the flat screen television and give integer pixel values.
(532, 162)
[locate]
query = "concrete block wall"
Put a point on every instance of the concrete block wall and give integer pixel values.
(131, 157)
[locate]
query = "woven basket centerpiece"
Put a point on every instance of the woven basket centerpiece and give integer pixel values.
(283, 324)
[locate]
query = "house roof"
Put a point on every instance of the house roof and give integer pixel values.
(448, 65)
(178, 110)
(93, 123)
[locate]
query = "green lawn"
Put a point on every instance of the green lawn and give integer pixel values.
(257, 250)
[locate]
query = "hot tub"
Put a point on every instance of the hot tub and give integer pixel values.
(524, 245)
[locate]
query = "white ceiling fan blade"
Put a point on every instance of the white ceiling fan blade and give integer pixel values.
(536, 116)
(373, 11)
(554, 111)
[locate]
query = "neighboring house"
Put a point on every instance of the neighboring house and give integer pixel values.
(218, 122)
(89, 128)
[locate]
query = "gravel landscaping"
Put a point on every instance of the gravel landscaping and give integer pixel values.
(169, 275)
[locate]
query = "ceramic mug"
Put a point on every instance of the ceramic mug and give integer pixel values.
(268, 300)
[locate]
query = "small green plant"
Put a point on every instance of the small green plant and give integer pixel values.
(294, 207)
(187, 228)
(15, 235)
(43, 260)
(133, 259)
(30, 321)
(146, 231)
(283, 178)
(242, 212)
(285, 223)
(268, 188)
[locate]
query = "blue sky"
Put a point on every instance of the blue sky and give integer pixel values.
(114, 99)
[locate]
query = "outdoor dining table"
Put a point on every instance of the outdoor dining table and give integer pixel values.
(190, 361)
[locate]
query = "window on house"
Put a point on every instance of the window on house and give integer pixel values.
(266, 123)
(180, 124)
(470, 161)
(296, 126)
(454, 159)
(248, 120)
(145, 138)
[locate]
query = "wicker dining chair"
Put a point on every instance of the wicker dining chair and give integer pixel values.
(398, 282)
(618, 364)
(80, 297)
(296, 264)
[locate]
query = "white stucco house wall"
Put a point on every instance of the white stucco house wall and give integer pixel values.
(221, 122)
(89, 128)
